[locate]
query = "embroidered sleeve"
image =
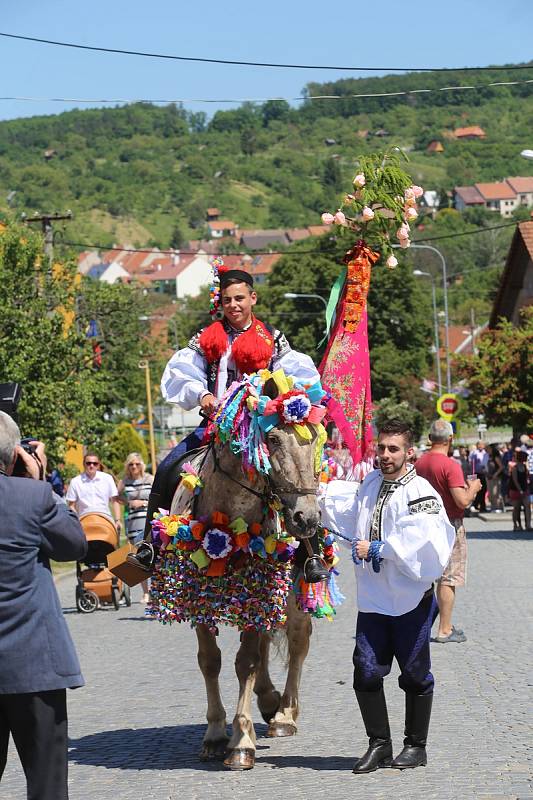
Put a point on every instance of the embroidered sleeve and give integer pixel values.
(194, 343)
(282, 346)
(424, 505)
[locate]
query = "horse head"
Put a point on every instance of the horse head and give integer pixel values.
(292, 476)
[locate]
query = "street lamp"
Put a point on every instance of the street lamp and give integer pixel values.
(446, 317)
(419, 273)
(294, 296)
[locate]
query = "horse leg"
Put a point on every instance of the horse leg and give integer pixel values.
(298, 631)
(209, 659)
(241, 747)
(268, 699)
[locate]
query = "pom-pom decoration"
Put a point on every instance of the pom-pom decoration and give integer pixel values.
(217, 265)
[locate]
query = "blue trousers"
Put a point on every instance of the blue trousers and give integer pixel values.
(381, 638)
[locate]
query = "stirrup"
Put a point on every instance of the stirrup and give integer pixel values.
(144, 557)
(315, 570)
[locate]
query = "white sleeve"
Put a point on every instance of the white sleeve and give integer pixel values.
(338, 508)
(72, 493)
(184, 380)
(420, 545)
(297, 365)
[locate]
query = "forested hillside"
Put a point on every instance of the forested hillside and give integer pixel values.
(146, 174)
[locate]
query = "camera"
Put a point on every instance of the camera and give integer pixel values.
(9, 400)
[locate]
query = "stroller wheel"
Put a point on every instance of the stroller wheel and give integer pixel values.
(126, 594)
(116, 597)
(86, 601)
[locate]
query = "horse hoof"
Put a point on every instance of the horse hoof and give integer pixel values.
(281, 729)
(269, 715)
(240, 758)
(214, 751)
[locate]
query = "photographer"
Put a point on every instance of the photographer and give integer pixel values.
(37, 657)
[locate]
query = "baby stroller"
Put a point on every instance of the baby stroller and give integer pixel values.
(96, 584)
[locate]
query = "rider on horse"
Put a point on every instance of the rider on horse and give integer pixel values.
(199, 374)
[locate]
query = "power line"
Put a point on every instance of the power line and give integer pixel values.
(183, 100)
(149, 251)
(204, 60)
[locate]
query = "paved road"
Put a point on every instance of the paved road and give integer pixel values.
(136, 727)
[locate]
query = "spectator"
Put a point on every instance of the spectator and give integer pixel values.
(463, 458)
(55, 479)
(479, 459)
(38, 661)
(93, 491)
(519, 492)
(446, 477)
(494, 473)
(507, 457)
(134, 490)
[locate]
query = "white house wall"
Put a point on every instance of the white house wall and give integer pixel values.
(194, 277)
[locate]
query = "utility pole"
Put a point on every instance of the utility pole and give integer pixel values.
(473, 331)
(146, 366)
(48, 231)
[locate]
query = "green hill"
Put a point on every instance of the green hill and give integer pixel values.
(146, 174)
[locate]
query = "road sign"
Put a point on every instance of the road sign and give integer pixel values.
(448, 406)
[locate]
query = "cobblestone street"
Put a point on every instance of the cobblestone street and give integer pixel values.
(136, 727)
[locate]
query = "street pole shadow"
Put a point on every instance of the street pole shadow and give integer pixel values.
(171, 747)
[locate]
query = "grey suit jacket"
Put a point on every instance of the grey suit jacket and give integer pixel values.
(36, 651)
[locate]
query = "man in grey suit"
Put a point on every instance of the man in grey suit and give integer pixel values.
(38, 661)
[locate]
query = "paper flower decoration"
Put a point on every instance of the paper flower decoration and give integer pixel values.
(217, 543)
(294, 407)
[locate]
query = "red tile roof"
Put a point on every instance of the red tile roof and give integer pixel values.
(297, 234)
(213, 212)
(473, 130)
(495, 191)
(318, 230)
(222, 225)
(521, 185)
(469, 195)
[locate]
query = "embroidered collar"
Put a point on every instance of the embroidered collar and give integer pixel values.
(386, 490)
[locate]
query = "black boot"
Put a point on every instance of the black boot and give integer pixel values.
(374, 712)
(417, 716)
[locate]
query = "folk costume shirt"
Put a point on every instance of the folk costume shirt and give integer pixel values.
(409, 518)
(186, 377)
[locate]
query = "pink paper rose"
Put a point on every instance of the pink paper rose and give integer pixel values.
(339, 218)
(359, 181)
(411, 213)
(327, 218)
(391, 262)
(417, 191)
(404, 243)
(368, 214)
(403, 232)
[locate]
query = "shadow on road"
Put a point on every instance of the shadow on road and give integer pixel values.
(523, 536)
(170, 747)
(320, 763)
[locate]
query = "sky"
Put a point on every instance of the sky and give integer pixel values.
(387, 33)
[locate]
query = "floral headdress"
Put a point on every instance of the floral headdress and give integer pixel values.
(217, 265)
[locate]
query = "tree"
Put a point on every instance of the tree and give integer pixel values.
(123, 440)
(391, 409)
(40, 347)
(499, 377)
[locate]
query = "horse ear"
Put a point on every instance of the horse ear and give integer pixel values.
(270, 389)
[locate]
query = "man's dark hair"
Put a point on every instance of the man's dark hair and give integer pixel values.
(398, 426)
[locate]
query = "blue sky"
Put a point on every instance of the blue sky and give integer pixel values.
(386, 33)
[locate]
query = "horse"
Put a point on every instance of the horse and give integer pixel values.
(233, 494)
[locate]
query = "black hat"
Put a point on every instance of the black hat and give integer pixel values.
(235, 276)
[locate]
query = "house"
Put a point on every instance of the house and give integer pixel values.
(498, 197)
(461, 338)
(87, 260)
(330, 142)
(318, 230)
(516, 285)
(472, 132)
(49, 154)
(297, 234)
(221, 227)
(523, 188)
(114, 273)
(430, 202)
(466, 197)
(213, 214)
(263, 239)
(381, 133)
(435, 147)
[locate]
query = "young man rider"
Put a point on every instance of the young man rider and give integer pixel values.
(199, 374)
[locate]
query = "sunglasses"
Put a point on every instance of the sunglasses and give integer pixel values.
(135, 463)
(92, 463)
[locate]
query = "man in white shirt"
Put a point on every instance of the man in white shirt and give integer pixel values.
(402, 540)
(94, 491)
